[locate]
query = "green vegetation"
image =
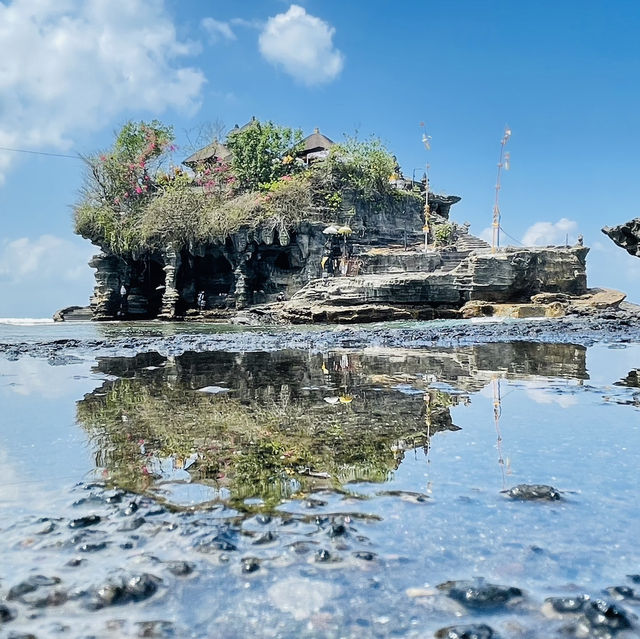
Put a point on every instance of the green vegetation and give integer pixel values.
(262, 153)
(134, 201)
(443, 234)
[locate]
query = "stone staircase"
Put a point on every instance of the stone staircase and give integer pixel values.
(472, 243)
(450, 260)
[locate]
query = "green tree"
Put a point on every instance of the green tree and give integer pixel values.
(263, 152)
(362, 167)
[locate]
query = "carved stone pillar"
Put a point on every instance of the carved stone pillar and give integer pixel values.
(171, 294)
(241, 293)
(111, 274)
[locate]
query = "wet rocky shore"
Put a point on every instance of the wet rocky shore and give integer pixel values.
(120, 565)
(611, 325)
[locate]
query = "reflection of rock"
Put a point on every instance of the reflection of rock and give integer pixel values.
(273, 424)
(632, 379)
(274, 431)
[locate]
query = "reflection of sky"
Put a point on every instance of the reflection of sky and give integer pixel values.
(555, 430)
(587, 447)
(608, 364)
(41, 448)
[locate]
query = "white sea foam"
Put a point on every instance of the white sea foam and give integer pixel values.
(25, 321)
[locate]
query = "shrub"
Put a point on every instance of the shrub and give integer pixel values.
(263, 152)
(443, 234)
(289, 199)
(110, 230)
(361, 166)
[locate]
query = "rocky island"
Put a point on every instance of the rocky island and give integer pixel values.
(298, 230)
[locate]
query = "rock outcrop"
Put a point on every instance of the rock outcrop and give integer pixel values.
(626, 236)
(379, 270)
(253, 266)
(444, 283)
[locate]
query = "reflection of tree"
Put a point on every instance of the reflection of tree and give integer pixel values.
(291, 420)
(262, 437)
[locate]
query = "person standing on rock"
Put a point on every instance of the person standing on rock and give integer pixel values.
(202, 300)
(123, 301)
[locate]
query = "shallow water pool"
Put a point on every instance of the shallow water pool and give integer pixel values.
(297, 494)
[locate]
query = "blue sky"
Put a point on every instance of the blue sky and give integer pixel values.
(565, 77)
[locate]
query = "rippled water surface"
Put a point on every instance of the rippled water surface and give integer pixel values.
(294, 494)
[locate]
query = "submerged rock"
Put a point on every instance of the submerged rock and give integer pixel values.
(159, 629)
(180, 568)
(83, 522)
(533, 492)
(249, 564)
(125, 589)
(564, 605)
(30, 585)
(471, 631)
(6, 614)
(301, 597)
(623, 592)
(479, 594)
(602, 615)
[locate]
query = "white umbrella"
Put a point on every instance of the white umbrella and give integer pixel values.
(330, 230)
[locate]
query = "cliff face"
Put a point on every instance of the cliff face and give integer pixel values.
(517, 274)
(253, 266)
(626, 236)
(445, 281)
(386, 273)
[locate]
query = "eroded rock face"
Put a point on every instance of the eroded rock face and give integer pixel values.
(388, 275)
(626, 236)
(252, 266)
(517, 274)
(451, 281)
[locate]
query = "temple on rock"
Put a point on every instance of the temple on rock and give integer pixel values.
(396, 254)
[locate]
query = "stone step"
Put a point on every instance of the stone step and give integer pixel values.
(472, 243)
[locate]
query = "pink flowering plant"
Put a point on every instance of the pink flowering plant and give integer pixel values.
(120, 182)
(124, 177)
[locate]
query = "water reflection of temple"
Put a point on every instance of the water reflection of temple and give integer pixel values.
(286, 420)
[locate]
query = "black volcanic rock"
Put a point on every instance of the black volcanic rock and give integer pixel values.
(626, 236)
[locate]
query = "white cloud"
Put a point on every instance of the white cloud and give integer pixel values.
(543, 396)
(545, 233)
(302, 45)
(74, 65)
(218, 30)
(249, 24)
(44, 260)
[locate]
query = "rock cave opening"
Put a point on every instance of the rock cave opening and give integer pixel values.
(211, 274)
(270, 272)
(153, 286)
(145, 288)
